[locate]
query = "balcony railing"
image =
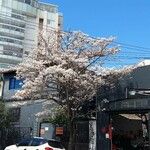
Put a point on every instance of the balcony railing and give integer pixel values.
(11, 53)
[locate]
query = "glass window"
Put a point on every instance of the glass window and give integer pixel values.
(28, 2)
(20, 0)
(12, 28)
(34, 3)
(12, 22)
(15, 5)
(11, 83)
(41, 20)
(51, 22)
(5, 2)
(15, 84)
(11, 41)
(14, 114)
(48, 21)
(17, 16)
(5, 34)
(18, 84)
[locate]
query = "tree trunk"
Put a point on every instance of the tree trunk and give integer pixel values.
(72, 130)
(71, 125)
(71, 144)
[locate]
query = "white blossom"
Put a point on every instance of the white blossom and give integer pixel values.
(59, 70)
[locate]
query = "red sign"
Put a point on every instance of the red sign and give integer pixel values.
(59, 130)
(110, 131)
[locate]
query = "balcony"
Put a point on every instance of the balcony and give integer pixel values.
(12, 27)
(25, 8)
(11, 33)
(10, 57)
(5, 40)
(9, 19)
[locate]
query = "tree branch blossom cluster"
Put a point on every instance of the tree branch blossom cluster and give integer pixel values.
(59, 68)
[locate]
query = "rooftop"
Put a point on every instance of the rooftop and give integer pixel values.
(48, 7)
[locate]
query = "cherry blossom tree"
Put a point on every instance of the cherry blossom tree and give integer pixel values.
(61, 70)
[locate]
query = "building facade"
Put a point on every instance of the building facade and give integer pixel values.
(20, 23)
(130, 96)
(24, 114)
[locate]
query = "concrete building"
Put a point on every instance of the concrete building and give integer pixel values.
(121, 109)
(24, 114)
(20, 22)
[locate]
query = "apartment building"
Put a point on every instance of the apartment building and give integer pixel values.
(20, 23)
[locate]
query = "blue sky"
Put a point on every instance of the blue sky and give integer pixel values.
(127, 20)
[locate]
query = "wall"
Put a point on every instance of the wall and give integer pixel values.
(138, 79)
(8, 93)
(28, 114)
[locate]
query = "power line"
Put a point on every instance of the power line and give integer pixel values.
(141, 50)
(134, 46)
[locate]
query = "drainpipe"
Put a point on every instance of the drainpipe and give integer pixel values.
(3, 84)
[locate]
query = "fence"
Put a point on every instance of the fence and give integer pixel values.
(13, 135)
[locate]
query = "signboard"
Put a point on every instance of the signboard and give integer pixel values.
(47, 130)
(59, 130)
(42, 131)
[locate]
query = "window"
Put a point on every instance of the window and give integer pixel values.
(28, 2)
(26, 53)
(15, 41)
(41, 20)
(12, 22)
(20, 0)
(51, 22)
(11, 28)
(14, 114)
(5, 2)
(15, 84)
(48, 21)
(17, 16)
(5, 34)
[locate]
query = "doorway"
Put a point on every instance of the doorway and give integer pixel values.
(130, 131)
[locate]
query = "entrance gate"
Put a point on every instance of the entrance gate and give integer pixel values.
(124, 106)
